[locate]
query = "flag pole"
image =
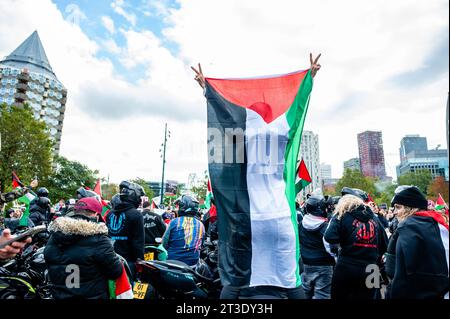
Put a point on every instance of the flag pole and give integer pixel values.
(163, 167)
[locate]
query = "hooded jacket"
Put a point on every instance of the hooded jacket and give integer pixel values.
(126, 228)
(360, 235)
(78, 242)
(417, 258)
(38, 215)
(312, 247)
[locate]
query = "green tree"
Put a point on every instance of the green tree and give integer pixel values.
(420, 178)
(25, 148)
(67, 176)
(148, 191)
(438, 186)
(181, 189)
(384, 197)
(109, 190)
(355, 179)
(200, 189)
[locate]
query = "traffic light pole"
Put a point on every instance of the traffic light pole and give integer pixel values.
(163, 167)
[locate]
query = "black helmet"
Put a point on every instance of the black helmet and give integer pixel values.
(42, 192)
(131, 192)
(410, 196)
(82, 193)
(315, 205)
(43, 202)
(187, 204)
(115, 200)
(356, 192)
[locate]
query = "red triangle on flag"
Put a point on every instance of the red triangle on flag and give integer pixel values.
(209, 186)
(16, 181)
(440, 201)
(98, 188)
(303, 172)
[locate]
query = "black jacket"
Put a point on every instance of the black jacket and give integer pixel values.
(416, 260)
(312, 247)
(13, 223)
(384, 222)
(360, 235)
(82, 243)
(126, 229)
(38, 215)
(154, 226)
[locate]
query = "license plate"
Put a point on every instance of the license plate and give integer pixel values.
(149, 256)
(139, 290)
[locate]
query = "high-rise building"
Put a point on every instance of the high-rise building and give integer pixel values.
(412, 143)
(309, 151)
(352, 163)
(371, 154)
(27, 77)
(325, 171)
(415, 155)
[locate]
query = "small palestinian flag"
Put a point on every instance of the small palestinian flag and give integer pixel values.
(121, 287)
(440, 203)
(26, 199)
(16, 181)
(254, 133)
(303, 177)
(98, 188)
(209, 195)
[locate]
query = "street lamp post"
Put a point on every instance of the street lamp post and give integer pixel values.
(164, 163)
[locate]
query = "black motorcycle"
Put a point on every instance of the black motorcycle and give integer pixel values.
(172, 279)
(26, 276)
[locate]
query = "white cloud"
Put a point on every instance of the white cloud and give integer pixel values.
(108, 23)
(118, 5)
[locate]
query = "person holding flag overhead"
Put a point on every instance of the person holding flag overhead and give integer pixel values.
(254, 192)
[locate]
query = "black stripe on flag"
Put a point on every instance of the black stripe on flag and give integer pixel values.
(229, 185)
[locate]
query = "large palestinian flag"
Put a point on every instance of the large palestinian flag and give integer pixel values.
(254, 133)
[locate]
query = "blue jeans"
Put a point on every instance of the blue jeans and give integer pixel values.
(316, 281)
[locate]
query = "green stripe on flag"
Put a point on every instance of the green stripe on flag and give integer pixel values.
(296, 118)
(25, 199)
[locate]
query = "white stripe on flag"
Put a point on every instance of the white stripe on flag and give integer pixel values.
(274, 260)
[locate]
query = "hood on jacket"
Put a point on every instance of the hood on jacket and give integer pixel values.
(311, 222)
(122, 206)
(362, 213)
(67, 230)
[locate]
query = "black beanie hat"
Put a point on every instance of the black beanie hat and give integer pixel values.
(409, 196)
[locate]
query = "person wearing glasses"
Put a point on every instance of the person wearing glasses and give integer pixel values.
(417, 256)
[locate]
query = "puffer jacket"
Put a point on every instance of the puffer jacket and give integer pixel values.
(83, 246)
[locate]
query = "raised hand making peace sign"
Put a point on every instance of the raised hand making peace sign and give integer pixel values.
(314, 65)
(199, 77)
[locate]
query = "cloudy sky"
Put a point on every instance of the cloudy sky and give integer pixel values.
(126, 67)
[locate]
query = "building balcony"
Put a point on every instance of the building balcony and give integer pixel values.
(22, 86)
(20, 96)
(24, 76)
